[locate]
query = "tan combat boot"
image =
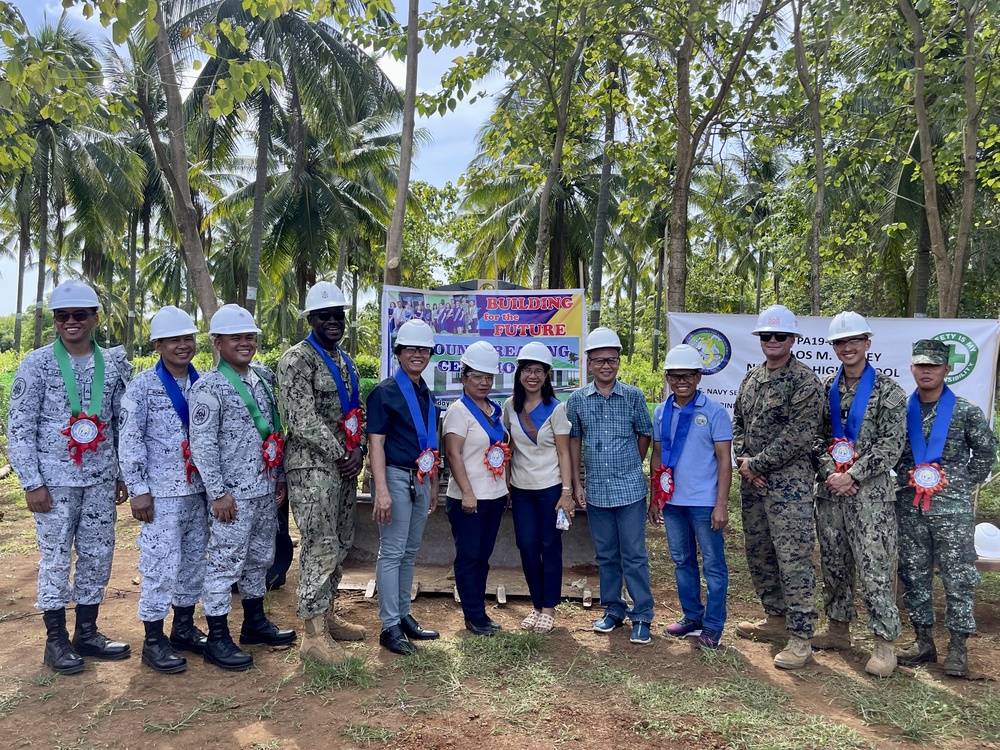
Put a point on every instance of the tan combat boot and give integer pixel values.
(795, 654)
(342, 630)
(883, 661)
(835, 635)
(771, 628)
(317, 645)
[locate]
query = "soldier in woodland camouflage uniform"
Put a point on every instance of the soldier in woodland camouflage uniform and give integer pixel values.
(322, 472)
(228, 447)
(855, 499)
(943, 533)
(776, 415)
(73, 500)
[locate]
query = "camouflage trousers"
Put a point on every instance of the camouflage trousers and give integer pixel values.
(172, 555)
(323, 506)
(859, 540)
(83, 517)
(949, 541)
(239, 552)
(779, 536)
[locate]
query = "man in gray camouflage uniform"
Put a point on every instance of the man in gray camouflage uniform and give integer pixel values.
(167, 495)
(322, 472)
(228, 447)
(73, 498)
(944, 532)
(855, 497)
(775, 418)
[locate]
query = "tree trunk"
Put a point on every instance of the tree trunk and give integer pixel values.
(342, 260)
(133, 230)
(557, 253)
(57, 246)
(43, 238)
(603, 203)
(921, 268)
(354, 312)
(259, 194)
(760, 278)
(632, 294)
(658, 304)
(24, 247)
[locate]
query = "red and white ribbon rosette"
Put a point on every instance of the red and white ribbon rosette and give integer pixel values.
(353, 422)
(427, 464)
(843, 454)
(663, 485)
(85, 432)
(496, 458)
(272, 451)
(926, 479)
(188, 462)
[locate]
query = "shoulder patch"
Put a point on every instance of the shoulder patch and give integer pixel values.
(200, 414)
(122, 416)
(17, 390)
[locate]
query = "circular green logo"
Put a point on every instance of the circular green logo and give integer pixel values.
(962, 355)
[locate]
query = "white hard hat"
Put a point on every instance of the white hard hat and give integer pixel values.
(988, 541)
(324, 294)
(171, 321)
(482, 357)
(415, 333)
(683, 357)
(847, 324)
(776, 319)
(535, 351)
(602, 338)
(232, 319)
(73, 293)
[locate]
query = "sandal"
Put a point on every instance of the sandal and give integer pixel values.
(545, 623)
(529, 622)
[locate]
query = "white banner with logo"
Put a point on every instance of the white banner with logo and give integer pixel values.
(729, 350)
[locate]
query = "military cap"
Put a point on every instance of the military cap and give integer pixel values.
(930, 352)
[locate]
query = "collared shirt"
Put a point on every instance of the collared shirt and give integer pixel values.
(696, 475)
(151, 434)
(609, 427)
(389, 415)
(458, 420)
(535, 466)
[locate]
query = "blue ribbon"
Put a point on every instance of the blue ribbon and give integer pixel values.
(539, 415)
(670, 450)
(348, 402)
(856, 413)
(493, 425)
(426, 433)
(174, 391)
(929, 451)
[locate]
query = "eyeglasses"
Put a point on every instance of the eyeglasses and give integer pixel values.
(414, 350)
(536, 372)
(857, 341)
(323, 316)
(78, 315)
(781, 338)
(601, 361)
(687, 377)
(480, 377)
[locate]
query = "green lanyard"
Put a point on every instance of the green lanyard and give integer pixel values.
(258, 419)
(69, 379)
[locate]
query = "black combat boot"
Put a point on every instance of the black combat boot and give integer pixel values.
(184, 634)
(157, 653)
(220, 649)
(258, 629)
(922, 650)
(956, 663)
(59, 654)
(89, 641)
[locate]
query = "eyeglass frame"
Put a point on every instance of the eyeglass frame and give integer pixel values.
(855, 340)
(63, 316)
(481, 377)
(781, 338)
(326, 314)
(601, 361)
(687, 377)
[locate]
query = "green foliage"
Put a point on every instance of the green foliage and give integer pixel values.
(368, 366)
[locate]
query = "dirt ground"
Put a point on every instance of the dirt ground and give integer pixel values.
(573, 687)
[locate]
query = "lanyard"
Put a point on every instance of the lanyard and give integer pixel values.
(174, 391)
(856, 413)
(348, 402)
(258, 419)
(929, 451)
(493, 426)
(670, 450)
(539, 415)
(426, 433)
(69, 379)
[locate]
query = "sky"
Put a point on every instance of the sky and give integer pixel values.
(443, 160)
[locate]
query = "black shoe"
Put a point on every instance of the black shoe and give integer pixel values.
(495, 625)
(184, 634)
(479, 629)
(89, 641)
(417, 633)
(59, 654)
(158, 654)
(220, 649)
(258, 629)
(395, 640)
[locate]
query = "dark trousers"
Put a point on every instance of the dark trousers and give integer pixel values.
(283, 551)
(475, 535)
(539, 542)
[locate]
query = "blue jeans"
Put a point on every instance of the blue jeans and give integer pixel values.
(688, 530)
(619, 536)
(399, 541)
(475, 536)
(540, 542)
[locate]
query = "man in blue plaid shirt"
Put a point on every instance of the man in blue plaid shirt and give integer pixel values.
(611, 421)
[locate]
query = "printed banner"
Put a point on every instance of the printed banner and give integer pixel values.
(729, 350)
(507, 319)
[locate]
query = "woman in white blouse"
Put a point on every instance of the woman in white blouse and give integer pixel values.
(540, 479)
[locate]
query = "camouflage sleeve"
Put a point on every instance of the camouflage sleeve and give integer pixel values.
(206, 420)
(890, 432)
(822, 460)
(22, 424)
(132, 447)
(982, 442)
(739, 425)
(298, 409)
(796, 437)
(116, 408)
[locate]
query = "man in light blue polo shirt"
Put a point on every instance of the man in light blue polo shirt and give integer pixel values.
(692, 471)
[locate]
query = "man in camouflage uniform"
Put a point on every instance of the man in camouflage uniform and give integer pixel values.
(232, 455)
(167, 496)
(944, 532)
(73, 498)
(322, 472)
(775, 418)
(855, 498)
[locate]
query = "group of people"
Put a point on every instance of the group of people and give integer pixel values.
(208, 459)
(456, 316)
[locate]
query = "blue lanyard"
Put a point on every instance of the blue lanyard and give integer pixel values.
(174, 391)
(670, 450)
(859, 405)
(929, 451)
(347, 402)
(493, 426)
(426, 434)
(539, 415)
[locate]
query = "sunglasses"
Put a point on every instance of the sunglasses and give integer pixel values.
(325, 315)
(79, 315)
(781, 338)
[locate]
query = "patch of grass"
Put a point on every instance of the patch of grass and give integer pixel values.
(272, 745)
(352, 672)
(9, 701)
(989, 588)
(434, 665)
(568, 607)
(501, 653)
(367, 734)
(600, 673)
(208, 705)
(404, 701)
(120, 705)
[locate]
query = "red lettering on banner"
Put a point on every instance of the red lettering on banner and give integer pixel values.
(533, 330)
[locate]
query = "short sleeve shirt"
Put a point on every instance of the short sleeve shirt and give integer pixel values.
(458, 420)
(535, 466)
(389, 415)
